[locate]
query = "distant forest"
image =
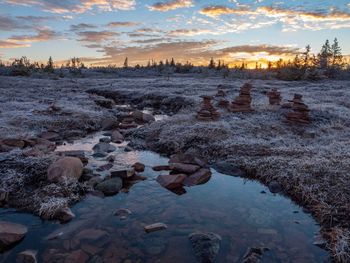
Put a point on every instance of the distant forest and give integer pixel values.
(328, 63)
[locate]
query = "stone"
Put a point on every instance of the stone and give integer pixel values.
(50, 136)
(274, 97)
(207, 111)
(77, 256)
(127, 123)
(274, 187)
(206, 246)
(242, 103)
(161, 168)
(104, 147)
(64, 215)
(123, 173)
(117, 137)
(200, 177)
(110, 186)
(66, 168)
(122, 213)
(27, 256)
(105, 167)
(95, 180)
(11, 234)
(105, 103)
(184, 168)
(86, 175)
(139, 116)
(223, 104)
(187, 159)
(228, 168)
(91, 234)
(75, 153)
(105, 139)
(110, 159)
(139, 167)
(13, 142)
(155, 227)
(171, 181)
(299, 113)
(109, 124)
(253, 255)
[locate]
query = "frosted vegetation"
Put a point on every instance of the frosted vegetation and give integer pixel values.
(311, 162)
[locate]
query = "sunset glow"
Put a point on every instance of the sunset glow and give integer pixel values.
(105, 32)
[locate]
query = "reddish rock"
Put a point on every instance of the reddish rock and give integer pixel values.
(161, 168)
(200, 177)
(155, 227)
(187, 158)
(242, 103)
(27, 256)
(300, 113)
(184, 168)
(224, 104)
(207, 111)
(139, 167)
(77, 256)
(171, 181)
(13, 142)
(10, 234)
(70, 168)
(117, 137)
(274, 97)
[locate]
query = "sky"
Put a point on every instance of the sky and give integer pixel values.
(103, 32)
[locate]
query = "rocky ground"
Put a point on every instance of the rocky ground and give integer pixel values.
(310, 163)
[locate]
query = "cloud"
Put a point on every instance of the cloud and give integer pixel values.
(191, 32)
(170, 5)
(219, 10)
(122, 24)
(96, 36)
(41, 36)
(9, 44)
(8, 23)
(76, 6)
(81, 27)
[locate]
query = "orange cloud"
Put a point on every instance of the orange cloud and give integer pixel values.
(9, 44)
(171, 5)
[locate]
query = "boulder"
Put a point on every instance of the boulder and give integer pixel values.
(206, 246)
(161, 168)
(11, 234)
(184, 168)
(109, 124)
(110, 186)
(139, 167)
(228, 168)
(64, 215)
(200, 177)
(275, 187)
(188, 159)
(123, 173)
(103, 147)
(117, 137)
(143, 117)
(171, 181)
(105, 103)
(27, 256)
(70, 168)
(13, 142)
(105, 139)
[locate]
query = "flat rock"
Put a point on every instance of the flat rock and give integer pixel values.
(13, 142)
(206, 246)
(66, 168)
(228, 168)
(123, 173)
(200, 177)
(155, 227)
(184, 168)
(171, 181)
(10, 234)
(110, 186)
(27, 256)
(161, 168)
(187, 159)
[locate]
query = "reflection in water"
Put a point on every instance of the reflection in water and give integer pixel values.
(229, 206)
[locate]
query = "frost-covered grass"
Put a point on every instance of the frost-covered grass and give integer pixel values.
(312, 162)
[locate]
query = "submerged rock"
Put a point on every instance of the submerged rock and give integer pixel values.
(66, 168)
(110, 186)
(171, 181)
(122, 213)
(184, 168)
(139, 167)
(253, 255)
(275, 187)
(11, 234)
(27, 256)
(228, 168)
(155, 227)
(64, 215)
(206, 246)
(200, 177)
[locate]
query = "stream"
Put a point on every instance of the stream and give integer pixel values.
(244, 213)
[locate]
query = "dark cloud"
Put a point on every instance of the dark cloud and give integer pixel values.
(81, 27)
(96, 36)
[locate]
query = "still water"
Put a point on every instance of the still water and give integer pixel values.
(244, 213)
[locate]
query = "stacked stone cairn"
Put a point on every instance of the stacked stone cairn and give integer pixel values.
(207, 111)
(242, 103)
(300, 113)
(274, 97)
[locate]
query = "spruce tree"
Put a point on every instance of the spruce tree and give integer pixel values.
(337, 57)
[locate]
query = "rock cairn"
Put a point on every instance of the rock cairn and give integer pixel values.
(223, 103)
(300, 113)
(274, 97)
(207, 112)
(243, 101)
